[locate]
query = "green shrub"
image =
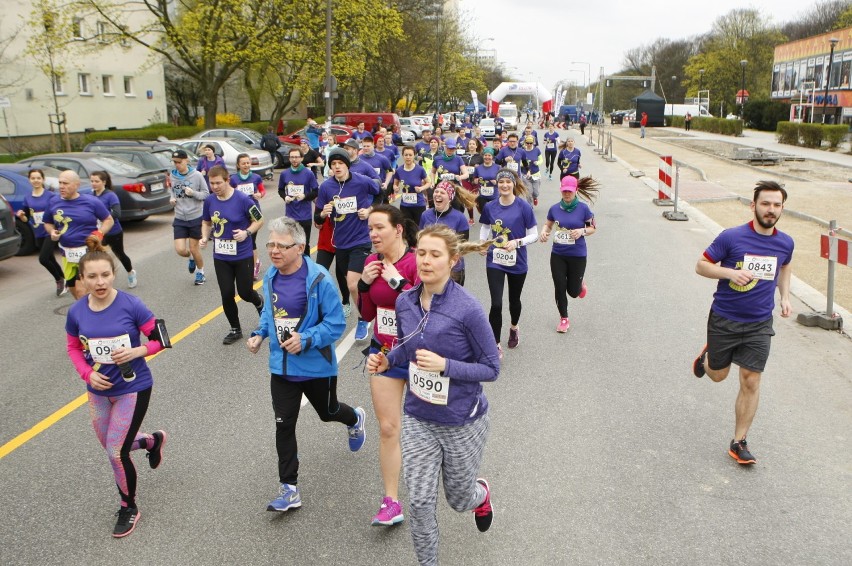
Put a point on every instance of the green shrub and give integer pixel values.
(714, 125)
(293, 125)
(835, 134)
(675, 121)
(150, 133)
(811, 134)
(788, 132)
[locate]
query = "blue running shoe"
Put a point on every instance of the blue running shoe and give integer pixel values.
(362, 330)
(288, 498)
(357, 434)
(199, 278)
(191, 265)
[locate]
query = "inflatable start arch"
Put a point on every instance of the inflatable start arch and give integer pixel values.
(509, 89)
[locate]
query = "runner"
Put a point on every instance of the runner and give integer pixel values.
(104, 343)
(749, 261)
(510, 155)
(411, 181)
(189, 189)
(574, 220)
(380, 164)
(509, 224)
(529, 132)
(358, 165)
(35, 204)
(447, 211)
(387, 273)
(423, 147)
(102, 187)
(472, 158)
(208, 160)
(441, 329)
(250, 184)
(531, 167)
(298, 186)
(302, 318)
(311, 158)
(551, 144)
(448, 166)
(232, 218)
(69, 220)
(346, 198)
(485, 178)
(569, 160)
(386, 147)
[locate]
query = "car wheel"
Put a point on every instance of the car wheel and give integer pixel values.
(27, 238)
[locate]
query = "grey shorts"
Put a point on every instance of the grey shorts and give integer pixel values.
(743, 343)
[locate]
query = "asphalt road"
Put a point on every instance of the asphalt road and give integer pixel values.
(604, 449)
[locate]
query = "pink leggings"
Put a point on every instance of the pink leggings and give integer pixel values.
(116, 421)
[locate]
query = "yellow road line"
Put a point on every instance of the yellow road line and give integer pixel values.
(69, 408)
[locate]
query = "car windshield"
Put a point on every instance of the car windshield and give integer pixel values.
(115, 166)
(240, 146)
(251, 134)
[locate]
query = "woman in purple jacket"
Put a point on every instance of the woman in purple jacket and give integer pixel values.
(444, 336)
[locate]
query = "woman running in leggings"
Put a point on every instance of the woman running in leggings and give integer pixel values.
(509, 224)
(443, 337)
(35, 204)
(104, 330)
(102, 187)
(551, 147)
(570, 220)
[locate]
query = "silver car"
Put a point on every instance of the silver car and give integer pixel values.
(229, 149)
(413, 126)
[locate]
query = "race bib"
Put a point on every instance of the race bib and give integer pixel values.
(428, 386)
(551, 145)
(288, 324)
(295, 190)
(378, 170)
(460, 151)
(513, 166)
(505, 257)
(409, 198)
(536, 176)
(38, 218)
(386, 321)
(447, 176)
(762, 266)
(470, 169)
(101, 349)
(486, 190)
(73, 255)
(348, 205)
(563, 237)
(225, 247)
(246, 188)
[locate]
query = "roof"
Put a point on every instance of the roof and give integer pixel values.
(648, 96)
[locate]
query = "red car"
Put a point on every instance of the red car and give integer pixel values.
(341, 134)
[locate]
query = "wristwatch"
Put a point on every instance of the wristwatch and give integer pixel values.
(397, 284)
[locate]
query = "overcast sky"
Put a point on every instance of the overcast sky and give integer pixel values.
(540, 38)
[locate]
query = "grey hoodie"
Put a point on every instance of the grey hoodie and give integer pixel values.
(188, 207)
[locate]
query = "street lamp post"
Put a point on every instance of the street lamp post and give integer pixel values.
(743, 64)
(700, 84)
(588, 73)
(833, 41)
(674, 83)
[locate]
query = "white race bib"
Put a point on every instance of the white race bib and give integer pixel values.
(505, 257)
(513, 166)
(101, 349)
(486, 190)
(38, 218)
(551, 145)
(460, 151)
(348, 205)
(429, 386)
(563, 237)
(386, 321)
(246, 188)
(282, 323)
(536, 176)
(225, 247)
(295, 190)
(73, 255)
(470, 170)
(762, 266)
(409, 198)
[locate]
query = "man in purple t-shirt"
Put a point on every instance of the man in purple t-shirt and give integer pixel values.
(749, 261)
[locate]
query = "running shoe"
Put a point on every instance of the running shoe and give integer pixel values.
(357, 434)
(234, 335)
(499, 351)
(563, 325)
(583, 291)
(739, 452)
(698, 364)
(127, 519)
(132, 280)
(550, 176)
(199, 278)
(347, 310)
(191, 265)
(256, 270)
(514, 337)
(362, 330)
(61, 289)
(484, 514)
(155, 454)
(288, 498)
(390, 513)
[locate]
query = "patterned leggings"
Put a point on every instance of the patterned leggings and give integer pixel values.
(454, 452)
(116, 421)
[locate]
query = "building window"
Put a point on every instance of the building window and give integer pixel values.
(77, 28)
(101, 31)
(83, 82)
(57, 84)
(128, 86)
(29, 94)
(106, 82)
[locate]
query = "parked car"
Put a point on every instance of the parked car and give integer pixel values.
(123, 148)
(413, 126)
(229, 149)
(424, 121)
(10, 239)
(140, 192)
(370, 119)
(251, 139)
(340, 133)
(618, 116)
(486, 126)
(407, 136)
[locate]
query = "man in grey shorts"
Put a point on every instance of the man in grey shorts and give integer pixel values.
(749, 261)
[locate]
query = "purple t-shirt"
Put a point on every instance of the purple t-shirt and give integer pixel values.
(516, 154)
(355, 193)
(356, 135)
(204, 165)
(110, 200)
(380, 164)
(452, 218)
(551, 141)
(35, 210)
(508, 223)
(564, 221)
(408, 180)
(486, 179)
(289, 299)
(531, 157)
(99, 332)
(291, 183)
(247, 186)
(75, 219)
(453, 165)
(752, 302)
(227, 216)
(391, 153)
(569, 161)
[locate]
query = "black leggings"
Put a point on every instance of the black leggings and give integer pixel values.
(240, 271)
(549, 160)
(496, 279)
(47, 257)
(567, 275)
(306, 226)
(116, 244)
(286, 401)
(413, 212)
(325, 259)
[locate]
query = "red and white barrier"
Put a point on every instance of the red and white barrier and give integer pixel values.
(834, 249)
(664, 182)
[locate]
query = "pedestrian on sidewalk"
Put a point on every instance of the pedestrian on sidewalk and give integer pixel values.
(749, 261)
(687, 121)
(642, 123)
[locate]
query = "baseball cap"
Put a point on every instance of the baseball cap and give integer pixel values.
(353, 143)
(450, 143)
(529, 139)
(569, 184)
(179, 154)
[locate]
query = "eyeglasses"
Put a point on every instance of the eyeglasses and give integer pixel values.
(279, 246)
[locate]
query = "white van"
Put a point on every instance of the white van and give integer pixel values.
(509, 112)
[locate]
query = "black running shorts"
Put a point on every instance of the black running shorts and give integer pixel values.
(743, 343)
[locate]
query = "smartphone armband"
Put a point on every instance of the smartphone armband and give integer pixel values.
(255, 213)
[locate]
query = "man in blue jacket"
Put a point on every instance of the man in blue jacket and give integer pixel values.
(302, 316)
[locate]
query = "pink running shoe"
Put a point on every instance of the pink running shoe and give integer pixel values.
(563, 326)
(390, 513)
(484, 514)
(583, 291)
(256, 270)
